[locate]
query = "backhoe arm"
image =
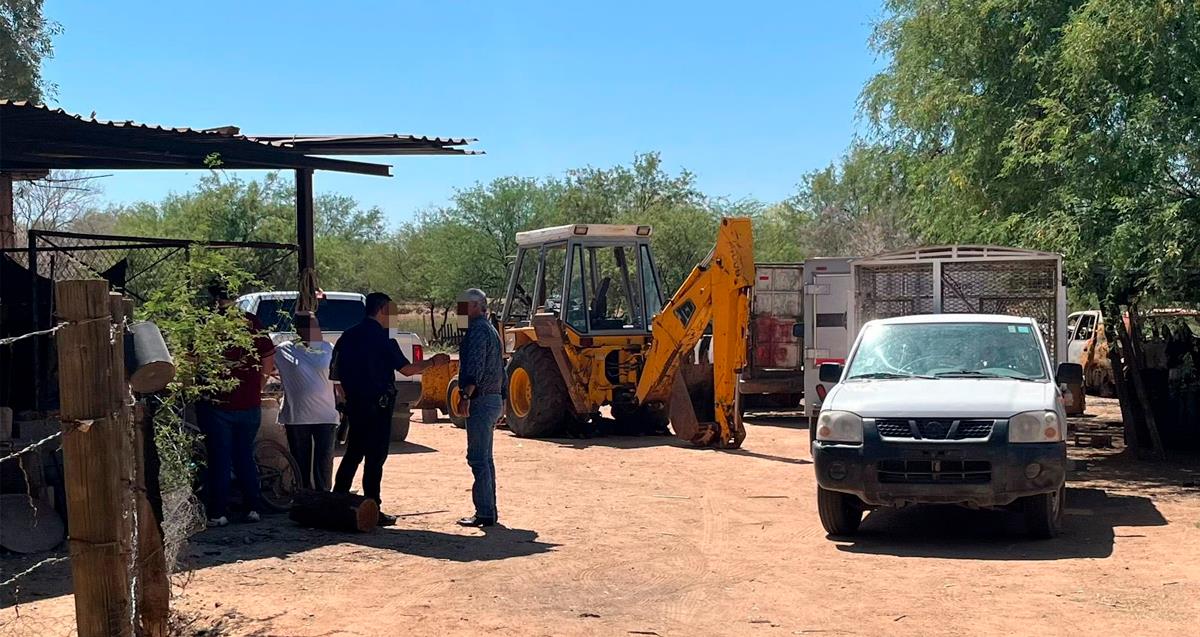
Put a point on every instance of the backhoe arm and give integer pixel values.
(717, 291)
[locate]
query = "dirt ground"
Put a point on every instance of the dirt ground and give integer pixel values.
(648, 536)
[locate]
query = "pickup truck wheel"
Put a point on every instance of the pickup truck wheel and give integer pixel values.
(1043, 513)
(841, 513)
(453, 402)
(538, 403)
(401, 419)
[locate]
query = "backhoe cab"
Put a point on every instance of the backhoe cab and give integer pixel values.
(584, 325)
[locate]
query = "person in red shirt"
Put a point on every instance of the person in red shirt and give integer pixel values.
(230, 420)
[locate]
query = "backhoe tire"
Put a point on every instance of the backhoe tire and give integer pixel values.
(538, 404)
(841, 513)
(1043, 513)
(452, 401)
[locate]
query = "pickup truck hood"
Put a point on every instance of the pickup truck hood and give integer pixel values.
(941, 398)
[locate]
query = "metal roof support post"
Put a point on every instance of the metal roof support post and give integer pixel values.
(306, 255)
(8, 226)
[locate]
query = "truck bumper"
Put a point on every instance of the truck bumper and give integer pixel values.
(990, 473)
(793, 384)
(407, 392)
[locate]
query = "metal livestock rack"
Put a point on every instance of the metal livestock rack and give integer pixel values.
(963, 279)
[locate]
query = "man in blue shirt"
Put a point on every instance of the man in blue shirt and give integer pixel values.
(366, 360)
(483, 384)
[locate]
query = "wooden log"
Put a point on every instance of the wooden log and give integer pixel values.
(148, 358)
(334, 511)
(95, 423)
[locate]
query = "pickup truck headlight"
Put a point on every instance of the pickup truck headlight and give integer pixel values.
(1035, 426)
(839, 426)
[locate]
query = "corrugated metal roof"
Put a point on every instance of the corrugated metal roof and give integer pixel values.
(39, 137)
(360, 144)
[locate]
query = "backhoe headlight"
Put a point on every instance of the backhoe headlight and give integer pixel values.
(839, 426)
(1035, 426)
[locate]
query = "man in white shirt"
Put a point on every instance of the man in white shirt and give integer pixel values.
(309, 412)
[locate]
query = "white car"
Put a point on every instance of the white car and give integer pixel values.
(949, 408)
(337, 312)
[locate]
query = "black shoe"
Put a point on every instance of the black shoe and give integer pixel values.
(385, 519)
(477, 521)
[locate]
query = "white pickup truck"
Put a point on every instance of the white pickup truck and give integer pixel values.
(944, 409)
(337, 312)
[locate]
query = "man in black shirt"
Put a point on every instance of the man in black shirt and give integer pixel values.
(366, 360)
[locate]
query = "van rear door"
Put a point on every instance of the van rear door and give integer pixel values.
(826, 333)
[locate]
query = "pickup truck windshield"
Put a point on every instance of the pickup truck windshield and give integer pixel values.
(949, 350)
(335, 315)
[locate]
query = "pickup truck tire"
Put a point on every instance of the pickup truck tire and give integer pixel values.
(538, 404)
(452, 401)
(401, 419)
(1043, 513)
(841, 513)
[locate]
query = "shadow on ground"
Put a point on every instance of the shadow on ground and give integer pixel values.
(1123, 471)
(404, 448)
(782, 419)
(957, 533)
(278, 536)
(766, 456)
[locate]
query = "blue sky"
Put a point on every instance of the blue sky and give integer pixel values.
(747, 95)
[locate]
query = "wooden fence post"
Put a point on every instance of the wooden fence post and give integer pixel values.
(95, 422)
(1132, 337)
(153, 586)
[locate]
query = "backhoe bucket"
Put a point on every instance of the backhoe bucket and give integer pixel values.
(694, 414)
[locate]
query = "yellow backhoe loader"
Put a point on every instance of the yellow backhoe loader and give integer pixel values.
(584, 325)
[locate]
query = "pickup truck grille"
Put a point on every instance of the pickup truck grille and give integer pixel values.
(934, 428)
(935, 471)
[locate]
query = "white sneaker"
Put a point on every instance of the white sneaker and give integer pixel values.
(221, 521)
(253, 516)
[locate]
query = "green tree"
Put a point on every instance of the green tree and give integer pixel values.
(349, 241)
(1063, 125)
(26, 40)
(197, 335)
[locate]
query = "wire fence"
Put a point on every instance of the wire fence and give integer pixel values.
(135, 266)
(36, 554)
(34, 563)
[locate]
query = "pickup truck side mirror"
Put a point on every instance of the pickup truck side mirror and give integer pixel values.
(832, 372)
(1067, 374)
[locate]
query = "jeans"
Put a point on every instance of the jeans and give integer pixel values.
(312, 446)
(229, 437)
(481, 424)
(369, 439)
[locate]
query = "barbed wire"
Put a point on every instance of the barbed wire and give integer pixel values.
(13, 339)
(46, 562)
(9, 340)
(21, 452)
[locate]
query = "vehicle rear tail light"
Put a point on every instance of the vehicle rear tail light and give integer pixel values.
(821, 391)
(418, 353)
